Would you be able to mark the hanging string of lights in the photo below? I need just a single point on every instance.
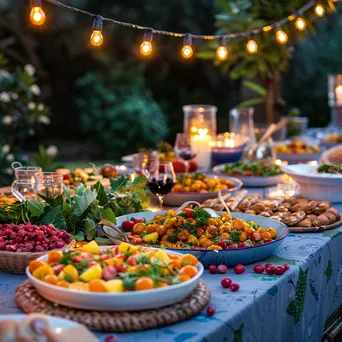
(38, 17)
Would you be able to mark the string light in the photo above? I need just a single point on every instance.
(281, 36)
(96, 38)
(146, 45)
(319, 10)
(37, 15)
(222, 52)
(300, 24)
(187, 51)
(252, 46)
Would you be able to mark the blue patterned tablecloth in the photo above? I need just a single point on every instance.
(291, 307)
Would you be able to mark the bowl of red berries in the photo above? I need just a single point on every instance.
(21, 243)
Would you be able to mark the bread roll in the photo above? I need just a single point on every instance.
(323, 220)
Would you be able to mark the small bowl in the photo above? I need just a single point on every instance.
(177, 198)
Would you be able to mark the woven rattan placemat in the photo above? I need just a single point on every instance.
(29, 300)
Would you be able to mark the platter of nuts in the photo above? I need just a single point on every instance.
(299, 214)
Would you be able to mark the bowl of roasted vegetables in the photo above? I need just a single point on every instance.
(221, 239)
(251, 174)
(115, 278)
(199, 187)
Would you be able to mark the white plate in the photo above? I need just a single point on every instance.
(314, 185)
(58, 325)
(252, 181)
(177, 198)
(123, 301)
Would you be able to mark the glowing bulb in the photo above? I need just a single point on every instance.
(281, 37)
(145, 48)
(187, 51)
(222, 53)
(96, 38)
(300, 24)
(37, 16)
(319, 10)
(252, 46)
(339, 89)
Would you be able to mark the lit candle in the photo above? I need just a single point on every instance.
(230, 143)
(338, 93)
(201, 144)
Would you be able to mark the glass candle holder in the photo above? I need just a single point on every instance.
(227, 148)
(241, 121)
(200, 120)
(335, 99)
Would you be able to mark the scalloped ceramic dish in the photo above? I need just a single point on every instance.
(229, 257)
(252, 181)
(123, 301)
(314, 185)
(176, 198)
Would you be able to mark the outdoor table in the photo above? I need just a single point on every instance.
(290, 307)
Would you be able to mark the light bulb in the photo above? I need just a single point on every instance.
(187, 51)
(222, 53)
(319, 10)
(37, 16)
(300, 24)
(252, 46)
(281, 37)
(145, 48)
(96, 38)
(146, 45)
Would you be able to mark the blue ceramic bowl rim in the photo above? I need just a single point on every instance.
(222, 250)
(233, 179)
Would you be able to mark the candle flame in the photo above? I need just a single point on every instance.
(278, 162)
(202, 131)
(193, 129)
(339, 89)
(230, 143)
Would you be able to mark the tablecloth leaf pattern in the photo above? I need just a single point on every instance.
(296, 306)
(328, 272)
(291, 307)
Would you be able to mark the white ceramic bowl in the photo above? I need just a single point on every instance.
(252, 181)
(228, 257)
(314, 185)
(123, 301)
(177, 198)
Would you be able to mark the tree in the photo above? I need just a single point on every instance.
(272, 58)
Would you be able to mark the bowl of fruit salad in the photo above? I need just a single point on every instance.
(115, 278)
(253, 173)
(297, 151)
(199, 187)
(20, 243)
(213, 239)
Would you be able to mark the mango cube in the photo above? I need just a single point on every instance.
(126, 247)
(115, 285)
(91, 273)
(91, 247)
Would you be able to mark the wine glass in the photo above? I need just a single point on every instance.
(161, 180)
(183, 149)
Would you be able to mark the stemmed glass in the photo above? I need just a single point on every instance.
(161, 180)
(183, 149)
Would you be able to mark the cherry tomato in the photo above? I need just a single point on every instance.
(267, 240)
(248, 173)
(131, 261)
(120, 256)
(121, 268)
(104, 257)
(222, 244)
(256, 236)
(57, 268)
(67, 176)
(76, 258)
(128, 225)
(144, 283)
(188, 212)
(137, 220)
(242, 245)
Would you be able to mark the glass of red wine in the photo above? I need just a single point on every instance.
(183, 149)
(161, 180)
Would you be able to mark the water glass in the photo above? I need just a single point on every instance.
(142, 162)
(49, 184)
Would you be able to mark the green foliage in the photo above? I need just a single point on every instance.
(118, 112)
(79, 214)
(45, 158)
(246, 15)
